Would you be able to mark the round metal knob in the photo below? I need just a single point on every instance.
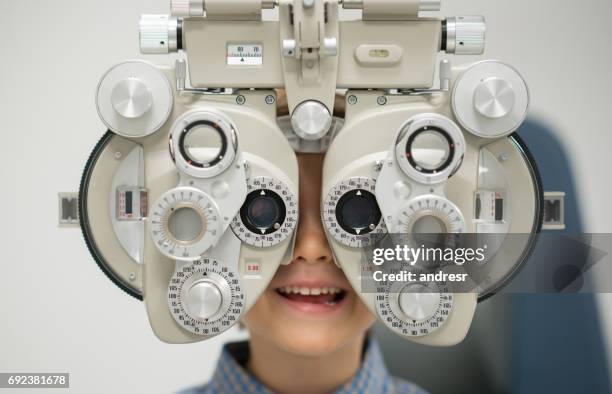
(187, 8)
(203, 300)
(159, 34)
(311, 120)
(465, 35)
(490, 99)
(131, 98)
(494, 98)
(430, 5)
(418, 302)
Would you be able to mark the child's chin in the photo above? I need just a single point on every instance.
(312, 339)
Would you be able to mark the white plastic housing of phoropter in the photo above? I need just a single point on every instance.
(167, 195)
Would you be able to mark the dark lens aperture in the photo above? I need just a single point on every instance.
(263, 212)
(357, 212)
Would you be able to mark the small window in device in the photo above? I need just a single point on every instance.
(499, 207)
(128, 203)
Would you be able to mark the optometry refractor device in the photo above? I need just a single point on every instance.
(190, 200)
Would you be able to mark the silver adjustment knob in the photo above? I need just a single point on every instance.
(134, 99)
(131, 98)
(430, 5)
(446, 75)
(289, 48)
(311, 120)
(159, 34)
(331, 46)
(203, 300)
(465, 35)
(180, 70)
(490, 99)
(418, 302)
(187, 8)
(424, 5)
(494, 98)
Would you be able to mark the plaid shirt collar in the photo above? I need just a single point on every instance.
(231, 377)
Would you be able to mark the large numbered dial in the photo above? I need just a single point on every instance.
(351, 213)
(429, 214)
(185, 223)
(269, 214)
(414, 309)
(205, 297)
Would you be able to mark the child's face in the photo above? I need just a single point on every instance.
(309, 307)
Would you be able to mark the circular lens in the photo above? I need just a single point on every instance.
(357, 212)
(429, 225)
(263, 212)
(430, 150)
(429, 231)
(203, 144)
(185, 224)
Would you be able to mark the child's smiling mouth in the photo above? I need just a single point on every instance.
(314, 295)
(313, 299)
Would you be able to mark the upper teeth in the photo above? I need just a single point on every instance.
(309, 290)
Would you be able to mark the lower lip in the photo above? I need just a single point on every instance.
(313, 309)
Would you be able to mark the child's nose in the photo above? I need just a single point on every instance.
(311, 243)
(312, 247)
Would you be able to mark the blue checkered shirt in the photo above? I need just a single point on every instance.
(232, 378)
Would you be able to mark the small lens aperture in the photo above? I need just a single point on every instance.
(263, 212)
(357, 212)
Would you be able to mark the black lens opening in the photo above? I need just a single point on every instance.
(357, 212)
(263, 212)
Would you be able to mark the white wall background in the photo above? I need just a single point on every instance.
(60, 314)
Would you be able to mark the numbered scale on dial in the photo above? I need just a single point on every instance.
(205, 297)
(269, 214)
(244, 54)
(351, 213)
(185, 223)
(414, 309)
(430, 214)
